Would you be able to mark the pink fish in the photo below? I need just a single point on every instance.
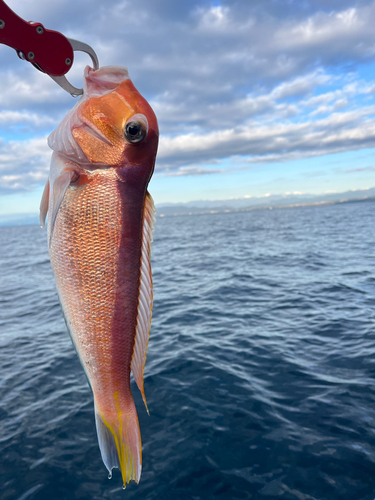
(100, 225)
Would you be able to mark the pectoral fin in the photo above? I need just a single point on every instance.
(43, 209)
(61, 184)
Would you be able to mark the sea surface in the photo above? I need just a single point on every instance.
(260, 377)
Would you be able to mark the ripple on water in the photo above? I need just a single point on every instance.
(260, 372)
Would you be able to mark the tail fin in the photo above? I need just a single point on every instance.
(120, 443)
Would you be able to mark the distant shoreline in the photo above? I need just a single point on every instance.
(199, 211)
(18, 220)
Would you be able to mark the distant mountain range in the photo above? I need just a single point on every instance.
(231, 205)
(19, 220)
(271, 201)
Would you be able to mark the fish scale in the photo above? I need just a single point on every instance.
(100, 227)
(89, 282)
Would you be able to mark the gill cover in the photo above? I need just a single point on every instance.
(96, 84)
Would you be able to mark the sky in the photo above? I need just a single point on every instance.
(253, 97)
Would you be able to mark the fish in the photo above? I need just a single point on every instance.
(100, 223)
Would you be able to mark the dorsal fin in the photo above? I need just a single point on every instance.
(145, 297)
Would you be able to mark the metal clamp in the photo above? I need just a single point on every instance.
(62, 80)
(47, 50)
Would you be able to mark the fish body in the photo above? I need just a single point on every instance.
(100, 223)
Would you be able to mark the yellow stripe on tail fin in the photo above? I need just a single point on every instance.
(120, 443)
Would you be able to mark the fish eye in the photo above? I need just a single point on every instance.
(136, 128)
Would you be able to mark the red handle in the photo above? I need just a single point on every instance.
(48, 50)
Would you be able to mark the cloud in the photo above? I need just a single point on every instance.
(251, 82)
(192, 171)
(23, 164)
(360, 169)
(278, 139)
(301, 85)
(23, 117)
(268, 143)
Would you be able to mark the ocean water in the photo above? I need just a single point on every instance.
(260, 376)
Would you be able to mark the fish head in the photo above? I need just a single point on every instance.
(112, 126)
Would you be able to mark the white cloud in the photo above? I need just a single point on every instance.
(360, 169)
(23, 164)
(26, 87)
(257, 81)
(8, 117)
(213, 19)
(301, 85)
(323, 27)
(192, 171)
(270, 140)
